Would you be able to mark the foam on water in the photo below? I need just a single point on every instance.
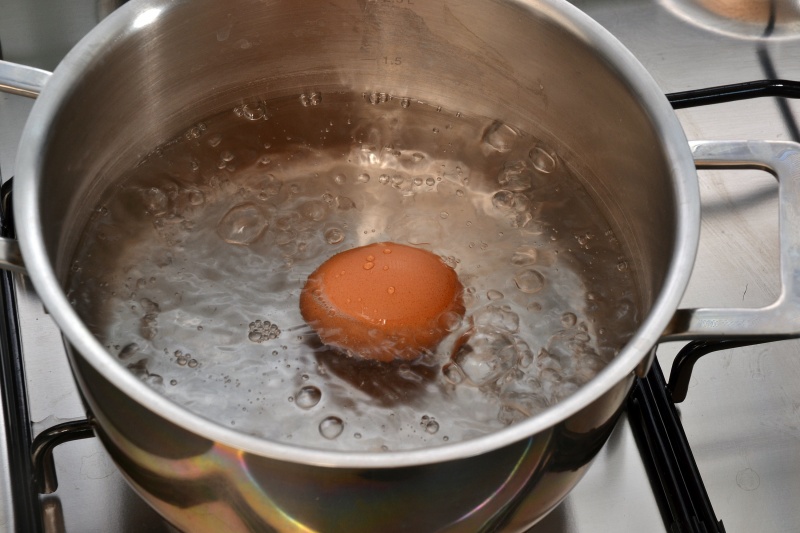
(191, 270)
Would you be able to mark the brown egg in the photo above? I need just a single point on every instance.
(383, 301)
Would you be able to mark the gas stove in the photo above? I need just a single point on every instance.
(741, 414)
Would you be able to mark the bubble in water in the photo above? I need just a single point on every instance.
(568, 320)
(307, 397)
(148, 326)
(260, 331)
(496, 317)
(149, 306)
(195, 131)
(310, 99)
(529, 281)
(331, 427)
(452, 373)
(334, 236)
(154, 380)
(524, 354)
(255, 111)
(377, 98)
(384, 179)
(344, 203)
(494, 295)
(270, 186)
(196, 197)
(525, 255)
(543, 158)
(430, 424)
(487, 355)
(430, 182)
(214, 140)
(128, 351)
(340, 179)
(500, 137)
(155, 201)
(450, 321)
(405, 103)
(503, 200)
(314, 210)
(515, 176)
(140, 370)
(363, 178)
(243, 224)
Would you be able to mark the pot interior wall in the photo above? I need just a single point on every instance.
(170, 64)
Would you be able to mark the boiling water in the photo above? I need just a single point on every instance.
(192, 266)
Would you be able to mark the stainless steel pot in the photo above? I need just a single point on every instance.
(155, 66)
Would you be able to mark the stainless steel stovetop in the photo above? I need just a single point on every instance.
(742, 414)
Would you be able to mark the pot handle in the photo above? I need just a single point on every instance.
(10, 256)
(780, 320)
(23, 81)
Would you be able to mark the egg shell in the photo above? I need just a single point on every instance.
(383, 301)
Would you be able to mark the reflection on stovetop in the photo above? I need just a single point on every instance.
(741, 412)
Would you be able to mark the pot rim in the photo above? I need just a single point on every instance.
(29, 168)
